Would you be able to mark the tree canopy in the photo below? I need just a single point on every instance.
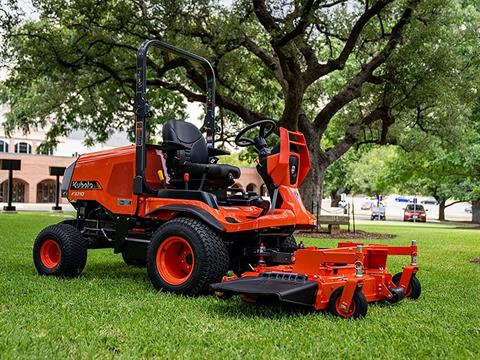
(344, 72)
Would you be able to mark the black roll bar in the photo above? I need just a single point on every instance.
(142, 108)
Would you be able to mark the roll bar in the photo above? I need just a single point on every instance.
(143, 111)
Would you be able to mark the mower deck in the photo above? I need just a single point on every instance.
(343, 280)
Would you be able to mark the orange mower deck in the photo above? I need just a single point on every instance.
(342, 280)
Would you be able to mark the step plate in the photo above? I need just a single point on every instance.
(296, 291)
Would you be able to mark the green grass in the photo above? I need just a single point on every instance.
(112, 310)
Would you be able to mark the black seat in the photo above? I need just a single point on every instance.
(187, 152)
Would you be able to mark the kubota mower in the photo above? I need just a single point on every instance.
(172, 208)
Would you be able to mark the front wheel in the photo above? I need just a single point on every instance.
(413, 290)
(185, 256)
(358, 307)
(60, 250)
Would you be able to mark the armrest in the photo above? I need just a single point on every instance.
(172, 146)
(217, 152)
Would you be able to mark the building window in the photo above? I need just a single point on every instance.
(23, 148)
(19, 189)
(46, 191)
(3, 146)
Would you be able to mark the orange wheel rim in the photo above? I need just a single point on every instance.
(175, 260)
(343, 313)
(50, 254)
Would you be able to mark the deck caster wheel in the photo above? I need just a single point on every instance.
(413, 290)
(185, 256)
(358, 308)
(60, 250)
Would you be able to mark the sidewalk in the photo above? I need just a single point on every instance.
(38, 207)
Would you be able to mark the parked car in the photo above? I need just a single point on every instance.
(468, 209)
(429, 202)
(415, 212)
(378, 213)
(403, 199)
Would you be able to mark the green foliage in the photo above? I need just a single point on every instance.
(371, 174)
(236, 159)
(408, 74)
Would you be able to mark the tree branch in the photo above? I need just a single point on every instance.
(352, 132)
(353, 89)
(315, 72)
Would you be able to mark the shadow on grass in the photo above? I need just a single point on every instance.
(236, 308)
(271, 309)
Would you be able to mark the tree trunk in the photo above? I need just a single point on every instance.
(335, 197)
(476, 211)
(441, 210)
(312, 187)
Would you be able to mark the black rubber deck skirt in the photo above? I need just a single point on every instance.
(290, 288)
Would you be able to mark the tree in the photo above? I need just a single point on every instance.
(431, 170)
(343, 72)
(371, 174)
(338, 177)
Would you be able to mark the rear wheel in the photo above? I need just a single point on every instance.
(60, 250)
(358, 307)
(185, 256)
(413, 290)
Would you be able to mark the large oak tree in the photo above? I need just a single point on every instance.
(345, 73)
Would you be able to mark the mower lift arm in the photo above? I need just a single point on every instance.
(142, 107)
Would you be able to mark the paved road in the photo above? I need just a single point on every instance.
(394, 210)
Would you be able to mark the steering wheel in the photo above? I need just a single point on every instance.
(267, 127)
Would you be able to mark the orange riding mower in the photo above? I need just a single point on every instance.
(172, 208)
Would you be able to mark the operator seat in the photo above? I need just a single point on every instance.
(187, 152)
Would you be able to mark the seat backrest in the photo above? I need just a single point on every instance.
(186, 134)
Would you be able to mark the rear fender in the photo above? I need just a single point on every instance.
(197, 212)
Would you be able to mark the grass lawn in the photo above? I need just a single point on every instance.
(113, 311)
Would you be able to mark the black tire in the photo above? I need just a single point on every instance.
(289, 244)
(140, 263)
(209, 253)
(73, 251)
(414, 288)
(359, 304)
